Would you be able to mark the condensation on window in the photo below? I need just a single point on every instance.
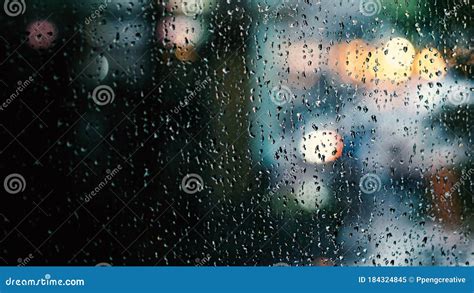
(251, 132)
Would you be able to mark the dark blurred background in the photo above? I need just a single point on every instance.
(186, 97)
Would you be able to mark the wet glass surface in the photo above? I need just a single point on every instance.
(207, 132)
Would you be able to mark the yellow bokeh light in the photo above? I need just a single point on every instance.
(393, 62)
(429, 64)
(355, 59)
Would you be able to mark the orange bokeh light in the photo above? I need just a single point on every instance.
(429, 64)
